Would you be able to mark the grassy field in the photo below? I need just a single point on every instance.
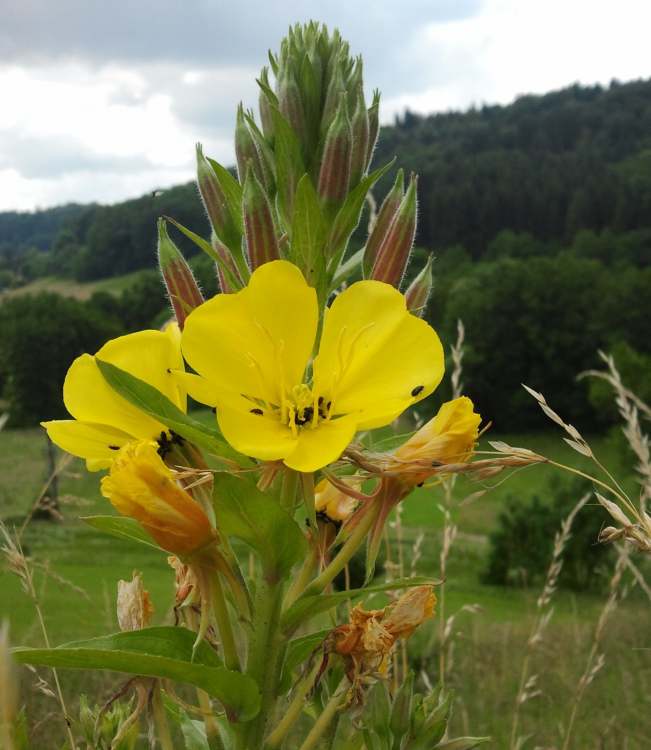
(77, 570)
(81, 290)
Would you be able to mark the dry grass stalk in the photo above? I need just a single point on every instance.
(596, 658)
(634, 523)
(20, 566)
(8, 691)
(528, 685)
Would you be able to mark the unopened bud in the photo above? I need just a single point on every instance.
(401, 712)
(265, 105)
(373, 126)
(291, 105)
(212, 195)
(246, 152)
(134, 605)
(333, 95)
(182, 287)
(334, 176)
(419, 290)
(383, 221)
(259, 228)
(229, 278)
(393, 254)
(360, 128)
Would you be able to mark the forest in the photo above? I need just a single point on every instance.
(538, 215)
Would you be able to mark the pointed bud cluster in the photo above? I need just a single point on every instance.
(393, 253)
(182, 288)
(420, 289)
(334, 175)
(259, 227)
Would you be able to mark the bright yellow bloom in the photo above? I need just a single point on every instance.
(334, 503)
(142, 486)
(104, 421)
(448, 438)
(252, 351)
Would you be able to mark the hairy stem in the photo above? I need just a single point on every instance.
(293, 711)
(325, 717)
(220, 608)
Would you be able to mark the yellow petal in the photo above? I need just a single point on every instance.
(256, 435)
(97, 443)
(375, 358)
(198, 388)
(258, 339)
(150, 356)
(322, 445)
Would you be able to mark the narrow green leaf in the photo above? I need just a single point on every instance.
(298, 650)
(153, 402)
(312, 604)
(259, 521)
(121, 527)
(348, 216)
(308, 232)
(233, 194)
(289, 165)
(347, 268)
(165, 652)
(462, 743)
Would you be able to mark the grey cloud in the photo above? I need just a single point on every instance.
(55, 156)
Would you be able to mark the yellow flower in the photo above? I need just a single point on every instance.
(141, 486)
(448, 438)
(104, 421)
(334, 503)
(252, 351)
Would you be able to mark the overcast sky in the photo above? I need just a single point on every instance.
(104, 99)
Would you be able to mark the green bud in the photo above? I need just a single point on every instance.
(259, 228)
(400, 721)
(383, 221)
(419, 290)
(265, 104)
(360, 128)
(393, 254)
(291, 105)
(436, 720)
(334, 175)
(182, 287)
(212, 195)
(246, 151)
(334, 91)
(373, 126)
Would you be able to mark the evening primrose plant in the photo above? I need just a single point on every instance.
(309, 345)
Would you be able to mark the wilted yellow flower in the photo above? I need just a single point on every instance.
(134, 605)
(103, 420)
(186, 583)
(141, 486)
(252, 351)
(448, 438)
(333, 502)
(366, 642)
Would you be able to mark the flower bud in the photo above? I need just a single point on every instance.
(419, 290)
(291, 105)
(383, 221)
(247, 153)
(134, 605)
(212, 195)
(259, 228)
(393, 254)
(334, 176)
(141, 486)
(360, 128)
(264, 105)
(226, 280)
(400, 721)
(182, 288)
(373, 126)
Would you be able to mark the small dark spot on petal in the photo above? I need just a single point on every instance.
(257, 411)
(169, 371)
(320, 400)
(418, 389)
(114, 447)
(420, 484)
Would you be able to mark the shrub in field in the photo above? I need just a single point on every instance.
(521, 546)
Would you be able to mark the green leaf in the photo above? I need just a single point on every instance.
(233, 194)
(164, 652)
(121, 527)
(298, 650)
(308, 232)
(150, 400)
(209, 250)
(462, 743)
(289, 164)
(348, 216)
(258, 520)
(347, 268)
(311, 604)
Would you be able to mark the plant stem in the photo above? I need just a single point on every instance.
(229, 647)
(351, 545)
(209, 722)
(160, 721)
(301, 580)
(326, 716)
(293, 711)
